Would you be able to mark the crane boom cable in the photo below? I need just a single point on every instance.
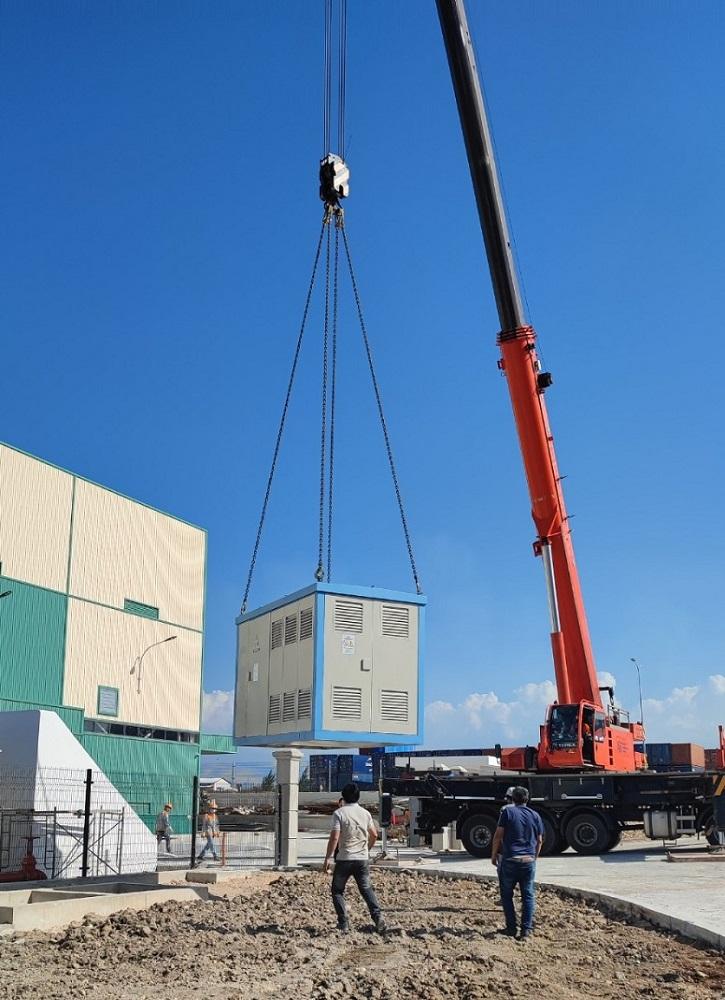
(283, 420)
(327, 78)
(381, 414)
(333, 387)
(320, 571)
(342, 79)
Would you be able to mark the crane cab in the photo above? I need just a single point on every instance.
(585, 735)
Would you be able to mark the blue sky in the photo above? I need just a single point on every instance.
(160, 211)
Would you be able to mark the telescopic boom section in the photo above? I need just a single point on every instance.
(576, 676)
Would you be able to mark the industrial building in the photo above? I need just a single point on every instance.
(104, 624)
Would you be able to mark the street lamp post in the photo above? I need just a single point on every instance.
(641, 709)
(138, 664)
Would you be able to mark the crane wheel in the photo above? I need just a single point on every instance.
(589, 833)
(554, 842)
(477, 835)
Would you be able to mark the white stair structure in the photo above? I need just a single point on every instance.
(43, 774)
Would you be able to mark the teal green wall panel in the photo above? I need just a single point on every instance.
(214, 743)
(32, 641)
(148, 773)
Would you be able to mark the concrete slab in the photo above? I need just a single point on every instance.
(50, 909)
(212, 876)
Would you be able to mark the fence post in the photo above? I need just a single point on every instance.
(194, 819)
(86, 824)
(278, 831)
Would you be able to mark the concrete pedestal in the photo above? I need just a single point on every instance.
(288, 777)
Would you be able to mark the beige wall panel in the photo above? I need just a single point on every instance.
(103, 645)
(35, 512)
(100, 556)
(122, 549)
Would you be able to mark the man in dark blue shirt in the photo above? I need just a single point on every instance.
(516, 846)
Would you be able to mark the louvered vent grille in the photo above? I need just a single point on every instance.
(348, 616)
(394, 706)
(305, 623)
(396, 621)
(274, 712)
(288, 706)
(347, 703)
(290, 629)
(304, 704)
(276, 641)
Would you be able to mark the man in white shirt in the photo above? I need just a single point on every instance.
(353, 834)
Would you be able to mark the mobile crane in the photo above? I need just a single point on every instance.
(588, 776)
(579, 731)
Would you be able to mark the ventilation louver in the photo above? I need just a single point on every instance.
(348, 616)
(276, 641)
(288, 706)
(347, 703)
(290, 629)
(305, 623)
(396, 621)
(274, 712)
(304, 704)
(394, 706)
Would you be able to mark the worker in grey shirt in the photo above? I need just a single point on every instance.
(163, 827)
(353, 834)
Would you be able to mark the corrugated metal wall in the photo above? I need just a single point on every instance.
(32, 636)
(102, 648)
(35, 506)
(148, 774)
(124, 550)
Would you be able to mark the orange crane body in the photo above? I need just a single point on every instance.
(579, 732)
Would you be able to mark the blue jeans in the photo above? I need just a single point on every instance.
(359, 870)
(209, 846)
(510, 874)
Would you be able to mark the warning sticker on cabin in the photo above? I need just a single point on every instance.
(348, 645)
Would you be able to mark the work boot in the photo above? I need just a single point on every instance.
(507, 931)
(344, 928)
(525, 935)
(380, 926)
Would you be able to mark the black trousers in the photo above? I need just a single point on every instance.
(360, 871)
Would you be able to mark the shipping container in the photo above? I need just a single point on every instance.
(712, 759)
(659, 753)
(688, 753)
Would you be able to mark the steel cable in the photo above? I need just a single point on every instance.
(283, 420)
(381, 413)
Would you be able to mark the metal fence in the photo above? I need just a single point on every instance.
(62, 823)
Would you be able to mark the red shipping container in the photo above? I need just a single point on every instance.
(712, 758)
(688, 753)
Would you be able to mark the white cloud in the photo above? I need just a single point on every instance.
(543, 693)
(679, 698)
(606, 679)
(485, 718)
(717, 683)
(438, 710)
(217, 710)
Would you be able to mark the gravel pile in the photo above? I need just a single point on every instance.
(274, 937)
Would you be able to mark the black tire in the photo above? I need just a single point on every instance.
(708, 828)
(588, 833)
(477, 835)
(614, 839)
(554, 842)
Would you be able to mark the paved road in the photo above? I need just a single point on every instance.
(636, 872)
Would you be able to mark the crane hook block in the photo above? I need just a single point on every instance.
(334, 179)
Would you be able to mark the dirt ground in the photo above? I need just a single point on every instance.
(274, 937)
